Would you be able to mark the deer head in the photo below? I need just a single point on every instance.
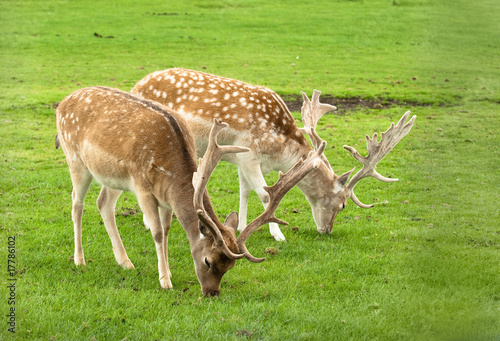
(338, 189)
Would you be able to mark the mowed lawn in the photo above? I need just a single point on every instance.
(423, 264)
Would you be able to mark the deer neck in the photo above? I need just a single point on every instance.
(318, 183)
(181, 199)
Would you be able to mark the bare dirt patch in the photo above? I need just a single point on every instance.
(294, 103)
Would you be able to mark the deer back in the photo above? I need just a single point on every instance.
(124, 141)
(258, 118)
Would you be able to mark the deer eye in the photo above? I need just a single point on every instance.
(207, 262)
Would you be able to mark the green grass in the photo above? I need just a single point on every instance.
(423, 264)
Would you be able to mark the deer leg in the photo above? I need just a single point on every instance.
(149, 207)
(81, 180)
(106, 204)
(244, 194)
(166, 220)
(255, 179)
(145, 221)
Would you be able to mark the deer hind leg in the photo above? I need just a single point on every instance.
(149, 207)
(166, 221)
(251, 176)
(81, 179)
(106, 204)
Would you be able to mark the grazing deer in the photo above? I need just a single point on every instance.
(131, 144)
(260, 120)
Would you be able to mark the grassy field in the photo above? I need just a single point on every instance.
(423, 264)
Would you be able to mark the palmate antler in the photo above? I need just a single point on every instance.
(311, 112)
(376, 152)
(276, 193)
(207, 164)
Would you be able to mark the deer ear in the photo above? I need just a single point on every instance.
(342, 180)
(203, 230)
(232, 220)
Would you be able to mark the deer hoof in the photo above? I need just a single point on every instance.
(279, 237)
(79, 261)
(166, 284)
(127, 265)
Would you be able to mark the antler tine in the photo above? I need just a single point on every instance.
(207, 164)
(376, 152)
(311, 112)
(276, 193)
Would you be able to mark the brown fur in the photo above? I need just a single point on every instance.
(209, 96)
(128, 143)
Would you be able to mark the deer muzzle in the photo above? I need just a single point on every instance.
(327, 229)
(211, 292)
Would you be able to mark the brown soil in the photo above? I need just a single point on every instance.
(345, 104)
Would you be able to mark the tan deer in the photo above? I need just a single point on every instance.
(131, 144)
(260, 120)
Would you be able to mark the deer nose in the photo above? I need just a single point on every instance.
(211, 293)
(325, 229)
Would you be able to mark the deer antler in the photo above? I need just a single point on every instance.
(376, 152)
(276, 193)
(311, 113)
(207, 164)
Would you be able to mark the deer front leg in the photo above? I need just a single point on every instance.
(149, 207)
(81, 180)
(106, 204)
(145, 221)
(244, 194)
(166, 220)
(252, 175)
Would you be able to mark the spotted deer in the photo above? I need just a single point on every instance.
(260, 121)
(131, 144)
